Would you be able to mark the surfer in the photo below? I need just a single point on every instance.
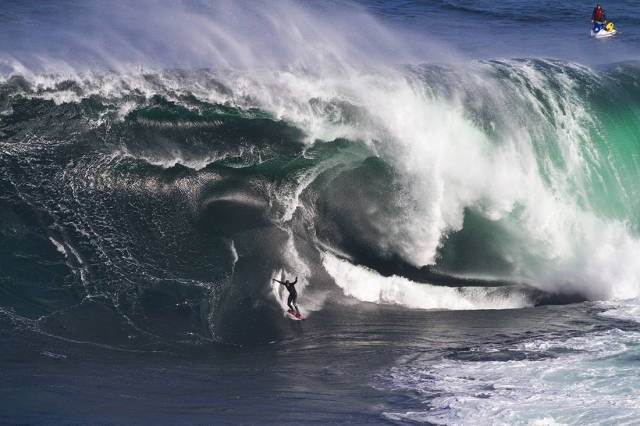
(293, 295)
(598, 17)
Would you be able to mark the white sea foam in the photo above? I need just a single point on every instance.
(168, 161)
(76, 255)
(367, 285)
(234, 254)
(58, 246)
(591, 379)
(627, 310)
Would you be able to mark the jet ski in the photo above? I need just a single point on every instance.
(601, 31)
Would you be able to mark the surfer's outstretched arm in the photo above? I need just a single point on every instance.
(278, 281)
(295, 281)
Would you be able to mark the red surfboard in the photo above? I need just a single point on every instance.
(294, 316)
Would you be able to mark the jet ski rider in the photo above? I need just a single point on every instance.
(597, 17)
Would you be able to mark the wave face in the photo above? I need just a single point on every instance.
(166, 202)
(145, 206)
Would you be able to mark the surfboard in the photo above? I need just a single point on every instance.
(293, 316)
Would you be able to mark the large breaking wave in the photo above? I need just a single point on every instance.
(156, 205)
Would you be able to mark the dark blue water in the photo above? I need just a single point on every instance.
(453, 183)
(339, 366)
(486, 29)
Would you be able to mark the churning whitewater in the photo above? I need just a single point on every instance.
(156, 177)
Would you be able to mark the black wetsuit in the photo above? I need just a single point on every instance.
(293, 294)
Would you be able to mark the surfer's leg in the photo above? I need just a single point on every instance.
(289, 300)
(293, 302)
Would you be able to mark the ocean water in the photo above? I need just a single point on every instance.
(454, 183)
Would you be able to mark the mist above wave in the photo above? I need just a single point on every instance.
(190, 35)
